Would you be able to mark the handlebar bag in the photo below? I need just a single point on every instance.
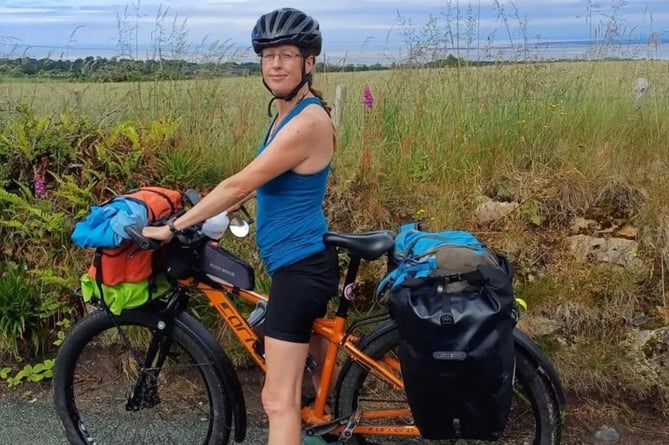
(121, 274)
(127, 263)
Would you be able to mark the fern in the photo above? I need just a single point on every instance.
(77, 199)
(161, 130)
(31, 218)
(49, 277)
(127, 130)
(13, 199)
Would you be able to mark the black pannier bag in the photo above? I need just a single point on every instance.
(456, 350)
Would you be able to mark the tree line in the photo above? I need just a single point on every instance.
(114, 69)
(101, 69)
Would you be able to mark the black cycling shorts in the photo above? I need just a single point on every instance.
(299, 295)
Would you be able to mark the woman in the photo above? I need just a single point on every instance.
(289, 177)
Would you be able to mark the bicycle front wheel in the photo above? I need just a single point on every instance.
(534, 417)
(106, 393)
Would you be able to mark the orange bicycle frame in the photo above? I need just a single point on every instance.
(331, 329)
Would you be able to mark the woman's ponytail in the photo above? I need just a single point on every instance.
(319, 95)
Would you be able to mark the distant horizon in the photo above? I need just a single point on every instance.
(532, 50)
(359, 31)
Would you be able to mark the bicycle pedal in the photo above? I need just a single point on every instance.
(321, 429)
(352, 422)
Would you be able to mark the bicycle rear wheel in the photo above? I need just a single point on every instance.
(97, 372)
(534, 419)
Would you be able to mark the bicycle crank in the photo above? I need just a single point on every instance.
(348, 422)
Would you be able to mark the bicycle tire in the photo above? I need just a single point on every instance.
(80, 412)
(532, 383)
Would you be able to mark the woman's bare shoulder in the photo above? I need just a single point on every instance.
(315, 118)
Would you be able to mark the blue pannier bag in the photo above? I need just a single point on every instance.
(452, 299)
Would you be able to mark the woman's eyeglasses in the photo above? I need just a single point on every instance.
(283, 57)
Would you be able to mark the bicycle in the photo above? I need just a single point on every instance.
(128, 378)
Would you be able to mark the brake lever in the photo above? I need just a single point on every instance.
(247, 214)
(192, 196)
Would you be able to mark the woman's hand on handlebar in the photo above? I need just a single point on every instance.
(159, 233)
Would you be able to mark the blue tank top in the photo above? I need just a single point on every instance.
(290, 219)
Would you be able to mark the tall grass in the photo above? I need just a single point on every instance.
(434, 137)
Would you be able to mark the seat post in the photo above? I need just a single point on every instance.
(351, 274)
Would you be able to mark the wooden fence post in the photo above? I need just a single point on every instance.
(338, 109)
(75, 101)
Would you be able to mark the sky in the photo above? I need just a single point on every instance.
(354, 31)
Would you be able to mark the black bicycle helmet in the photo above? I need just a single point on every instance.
(287, 26)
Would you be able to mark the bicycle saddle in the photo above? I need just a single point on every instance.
(368, 246)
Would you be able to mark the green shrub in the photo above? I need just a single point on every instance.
(25, 311)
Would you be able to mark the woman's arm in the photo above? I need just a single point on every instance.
(291, 146)
(237, 206)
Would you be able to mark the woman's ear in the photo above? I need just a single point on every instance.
(309, 64)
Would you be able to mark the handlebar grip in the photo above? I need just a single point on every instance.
(135, 233)
(192, 196)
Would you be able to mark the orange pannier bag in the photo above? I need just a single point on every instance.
(127, 263)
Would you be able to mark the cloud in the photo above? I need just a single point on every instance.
(5, 10)
(39, 20)
(367, 25)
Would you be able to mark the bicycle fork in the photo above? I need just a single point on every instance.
(145, 392)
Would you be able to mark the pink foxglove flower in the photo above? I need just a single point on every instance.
(40, 185)
(39, 177)
(368, 98)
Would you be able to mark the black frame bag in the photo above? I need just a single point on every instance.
(221, 265)
(457, 351)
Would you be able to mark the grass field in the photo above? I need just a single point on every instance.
(455, 131)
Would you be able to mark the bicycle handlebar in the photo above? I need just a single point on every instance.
(187, 237)
(144, 243)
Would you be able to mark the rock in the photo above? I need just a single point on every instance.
(639, 319)
(608, 250)
(538, 326)
(607, 230)
(491, 211)
(581, 225)
(607, 434)
(628, 232)
(656, 351)
(651, 348)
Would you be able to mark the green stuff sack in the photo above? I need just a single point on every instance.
(124, 296)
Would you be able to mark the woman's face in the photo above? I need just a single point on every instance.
(282, 68)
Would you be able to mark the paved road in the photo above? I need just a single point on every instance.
(29, 419)
(35, 423)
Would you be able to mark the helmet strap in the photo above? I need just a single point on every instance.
(306, 78)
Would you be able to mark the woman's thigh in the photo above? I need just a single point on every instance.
(299, 294)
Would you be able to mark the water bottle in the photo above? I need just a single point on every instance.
(216, 226)
(257, 318)
(257, 322)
